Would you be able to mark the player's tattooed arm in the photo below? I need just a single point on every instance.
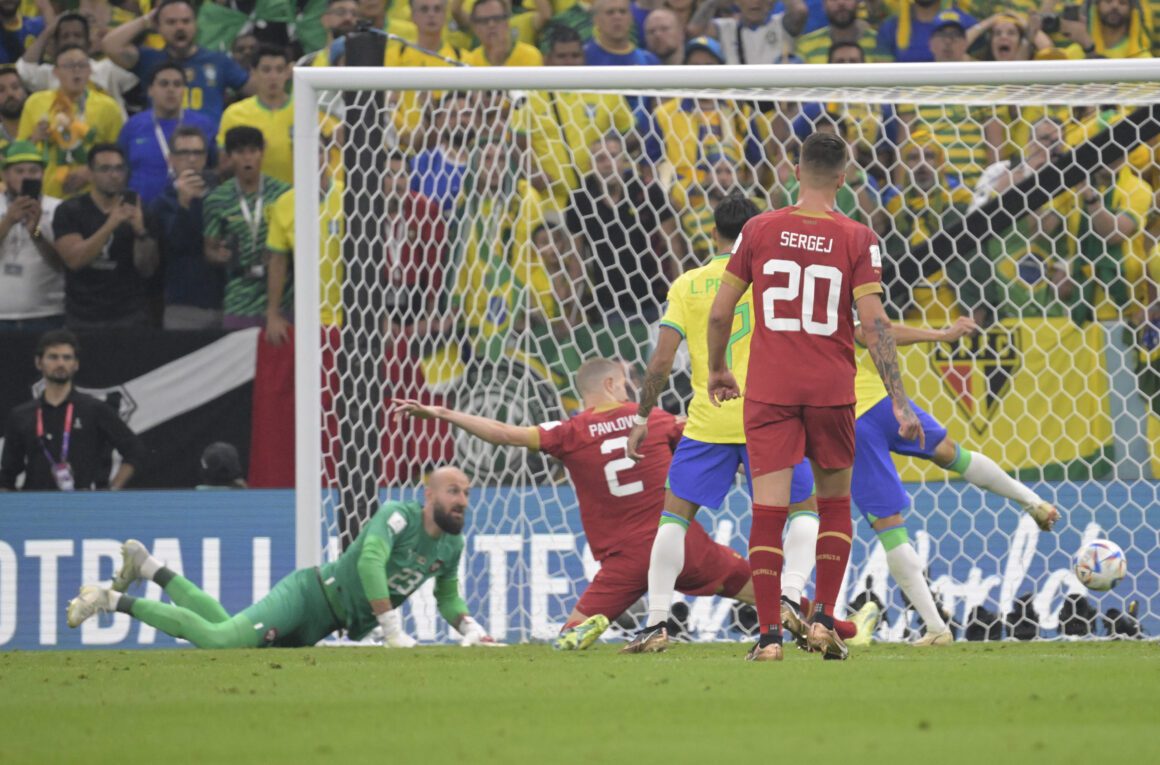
(656, 379)
(884, 352)
(660, 366)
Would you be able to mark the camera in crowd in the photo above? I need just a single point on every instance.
(1051, 21)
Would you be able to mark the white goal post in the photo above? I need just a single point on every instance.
(527, 518)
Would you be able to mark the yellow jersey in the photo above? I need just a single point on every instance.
(280, 239)
(561, 126)
(497, 269)
(690, 299)
(521, 54)
(73, 129)
(523, 24)
(868, 386)
(413, 104)
(686, 128)
(277, 126)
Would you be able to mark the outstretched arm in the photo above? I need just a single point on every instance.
(880, 341)
(904, 335)
(656, 379)
(492, 431)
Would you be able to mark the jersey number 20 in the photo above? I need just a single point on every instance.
(806, 284)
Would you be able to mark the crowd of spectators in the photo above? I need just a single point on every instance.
(146, 149)
(146, 158)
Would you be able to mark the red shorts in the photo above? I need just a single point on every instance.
(778, 437)
(710, 569)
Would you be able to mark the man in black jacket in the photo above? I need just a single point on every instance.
(63, 440)
(193, 286)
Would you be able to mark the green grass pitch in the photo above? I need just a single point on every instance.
(983, 704)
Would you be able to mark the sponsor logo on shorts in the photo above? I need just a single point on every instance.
(978, 372)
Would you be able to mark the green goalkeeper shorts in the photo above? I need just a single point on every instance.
(295, 613)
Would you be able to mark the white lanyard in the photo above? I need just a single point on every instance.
(253, 220)
(162, 141)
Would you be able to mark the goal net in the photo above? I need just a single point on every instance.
(468, 237)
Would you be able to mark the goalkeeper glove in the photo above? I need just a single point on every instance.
(473, 634)
(393, 635)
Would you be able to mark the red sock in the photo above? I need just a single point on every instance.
(765, 563)
(833, 550)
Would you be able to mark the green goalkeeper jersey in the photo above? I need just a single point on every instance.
(392, 556)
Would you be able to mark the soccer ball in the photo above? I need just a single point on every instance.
(1100, 565)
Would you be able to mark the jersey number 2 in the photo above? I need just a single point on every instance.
(806, 287)
(615, 487)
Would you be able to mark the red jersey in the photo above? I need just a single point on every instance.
(620, 500)
(807, 269)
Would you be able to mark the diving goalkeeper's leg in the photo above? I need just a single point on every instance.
(296, 612)
(138, 564)
(236, 632)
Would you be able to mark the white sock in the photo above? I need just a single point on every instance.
(149, 568)
(112, 598)
(800, 545)
(664, 566)
(907, 571)
(984, 473)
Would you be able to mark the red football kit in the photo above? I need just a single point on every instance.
(807, 269)
(620, 504)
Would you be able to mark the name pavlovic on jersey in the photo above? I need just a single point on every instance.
(620, 500)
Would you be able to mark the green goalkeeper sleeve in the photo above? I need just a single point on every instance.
(450, 602)
(372, 567)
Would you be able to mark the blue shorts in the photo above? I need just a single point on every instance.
(703, 473)
(876, 487)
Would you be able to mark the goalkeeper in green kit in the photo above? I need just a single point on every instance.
(403, 545)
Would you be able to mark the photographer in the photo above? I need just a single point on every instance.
(237, 217)
(1101, 28)
(101, 238)
(193, 287)
(31, 278)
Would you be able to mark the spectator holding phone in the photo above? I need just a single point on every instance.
(31, 274)
(193, 286)
(102, 239)
(1108, 29)
(146, 136)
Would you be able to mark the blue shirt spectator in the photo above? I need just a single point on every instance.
(146, 137)
(436, 175)
(209, 74)
(817, 18)
(595, 55)
(906, 37)
(17, 31)
(212, 74)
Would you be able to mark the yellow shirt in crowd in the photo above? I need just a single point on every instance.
(280, 239)
(560, 127)
(73, 129)
(277, 126)
(522, 55)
